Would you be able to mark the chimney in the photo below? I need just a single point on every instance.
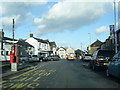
(1, 38)
(1, 33)
(31, 35)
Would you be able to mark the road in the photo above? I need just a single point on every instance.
(60, 74)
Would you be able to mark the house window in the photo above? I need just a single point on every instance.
(2, 53)
(30, 52)
(7, 52)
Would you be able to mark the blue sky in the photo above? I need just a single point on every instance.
(66, 23)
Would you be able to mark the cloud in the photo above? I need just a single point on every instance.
(19, 20)
(101, 30)
(70, 16)
(15, 8)
(20, 11)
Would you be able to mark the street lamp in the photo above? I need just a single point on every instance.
(90, 37)
(115, 36)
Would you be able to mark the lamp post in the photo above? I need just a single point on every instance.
(115, 36)
(90, 42)
(90, 37)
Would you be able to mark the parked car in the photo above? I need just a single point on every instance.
(87, 57)
(49, 58)
(53, 58)
(24, 59)
(43, 58)
(100, 58)
(114, 66)
(30, 58)
(35, 58)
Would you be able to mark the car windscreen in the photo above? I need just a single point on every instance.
(87, 55)
(106, 53)
(34, 55)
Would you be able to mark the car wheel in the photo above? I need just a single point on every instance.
(89, 65)
(107, 73)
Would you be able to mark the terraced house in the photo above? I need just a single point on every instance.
(42, 47)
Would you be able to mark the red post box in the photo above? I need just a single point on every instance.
(12, 57)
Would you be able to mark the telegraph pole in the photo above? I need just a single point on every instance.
(13, 29)
(13, 34)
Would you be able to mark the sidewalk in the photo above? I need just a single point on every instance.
(6, 71)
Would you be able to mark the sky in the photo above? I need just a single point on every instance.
(70, 23)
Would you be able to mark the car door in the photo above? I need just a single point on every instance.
(111, 67)
(117, 66)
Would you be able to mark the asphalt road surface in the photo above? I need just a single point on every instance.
(60, 74)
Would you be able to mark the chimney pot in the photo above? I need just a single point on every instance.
(31, 35)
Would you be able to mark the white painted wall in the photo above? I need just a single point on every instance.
(70, 52)
(62, 53)
(39, 46)
(34, 43)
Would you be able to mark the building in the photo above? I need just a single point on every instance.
(70, 52)
(94, 46)
(78, 53)
(107, 45)
(7, 43)
(61, 52)
(5, 46)
(53, 47)
(25, 48)
(41, 46)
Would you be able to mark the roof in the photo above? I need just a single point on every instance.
(60, 47)
(41, 40)
(22, 42)
(97, 43)
(6, 38)
(52, 43)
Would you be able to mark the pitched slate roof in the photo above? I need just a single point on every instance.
(6, 38)
(52, 44)
(97, 43)
(61, 47)
(41, 40)
(22, 42)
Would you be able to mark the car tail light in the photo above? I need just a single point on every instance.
(97, 58)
